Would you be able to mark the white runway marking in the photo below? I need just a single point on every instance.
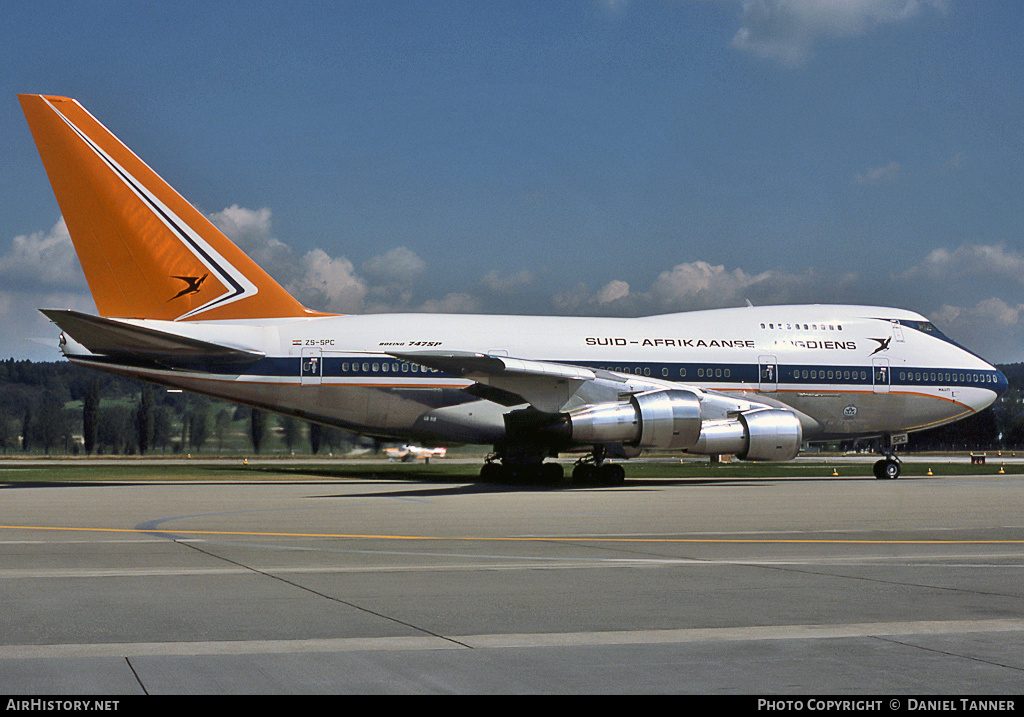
(570, 639)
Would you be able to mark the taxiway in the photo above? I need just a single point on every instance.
(736, 586)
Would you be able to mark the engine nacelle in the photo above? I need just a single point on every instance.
(671, 420)
(768, 434)
(656, 419)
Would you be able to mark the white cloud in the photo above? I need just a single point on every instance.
(973, 292)
(969, 262)
(992, 327)
(328, 284)
(697, 285)
(701, 283)
(252, 231)
(453, 303)
(39, 270)
(42, 258)
(396, 266)
(879, 175)
(613, 291)
(786, 31)
(503, 284)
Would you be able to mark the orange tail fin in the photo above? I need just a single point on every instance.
(146, 252)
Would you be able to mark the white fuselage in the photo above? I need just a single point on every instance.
(845, 371)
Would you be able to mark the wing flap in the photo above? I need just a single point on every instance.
(545, 385)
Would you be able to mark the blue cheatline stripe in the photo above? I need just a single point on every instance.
(720, 375)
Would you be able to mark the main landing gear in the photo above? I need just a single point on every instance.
(590, 470)
(594, 469)
(527, 473)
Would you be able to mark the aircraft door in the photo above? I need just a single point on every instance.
(311, 367)
(768, 374)
(897, 331)
(880, 372)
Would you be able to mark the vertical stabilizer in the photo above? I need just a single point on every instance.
(146, 252)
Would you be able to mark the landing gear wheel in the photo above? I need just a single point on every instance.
(611, 474)
(492, 472)
(584, 473)
(603, 474)
(887, 469)
(552, 473)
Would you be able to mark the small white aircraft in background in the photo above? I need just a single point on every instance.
(409, 452)
(182, 306)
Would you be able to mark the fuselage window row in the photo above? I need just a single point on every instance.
(806, 327)
(797, 375)
(376, 367)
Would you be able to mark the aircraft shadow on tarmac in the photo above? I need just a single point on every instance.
(471, 482)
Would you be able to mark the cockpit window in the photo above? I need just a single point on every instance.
(926, 327)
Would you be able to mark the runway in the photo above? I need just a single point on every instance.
(735, 586)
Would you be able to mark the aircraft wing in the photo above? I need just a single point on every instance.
(545, 385)
(108, 337)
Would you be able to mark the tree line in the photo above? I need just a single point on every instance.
(60, 408)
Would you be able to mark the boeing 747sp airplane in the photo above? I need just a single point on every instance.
(180, 305)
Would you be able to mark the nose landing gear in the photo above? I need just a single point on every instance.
(887, 468)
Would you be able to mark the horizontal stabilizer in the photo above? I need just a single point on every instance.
(109, 337)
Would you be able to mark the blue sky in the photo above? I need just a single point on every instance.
(609, 157)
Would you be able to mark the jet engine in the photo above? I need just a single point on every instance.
(672, 420)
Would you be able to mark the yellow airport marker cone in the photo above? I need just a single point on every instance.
(1001, 469)
(835, 472)
(929, 471)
